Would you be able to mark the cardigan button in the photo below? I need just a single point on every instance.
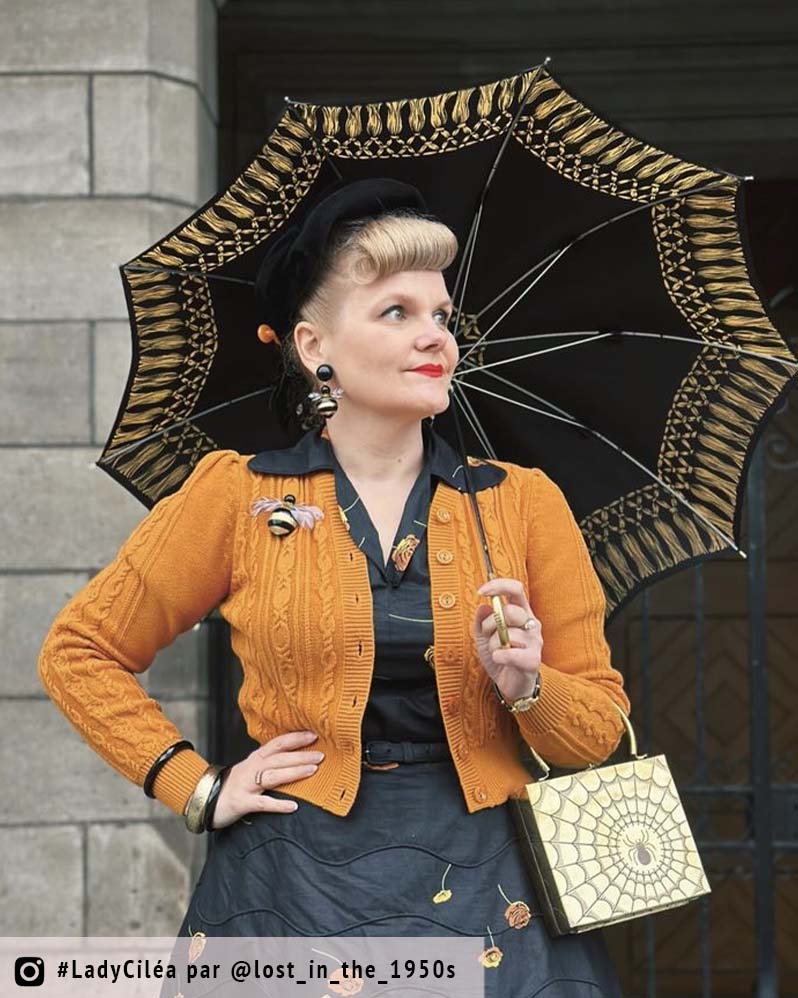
(479, 793)
(443, 516)
(444, 556)
(447, 599)
(461, 752)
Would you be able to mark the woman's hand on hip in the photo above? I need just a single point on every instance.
(514, 669)
(280, 760)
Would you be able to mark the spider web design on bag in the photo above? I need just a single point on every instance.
(610, 844)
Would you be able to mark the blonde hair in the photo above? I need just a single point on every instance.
(360, 252)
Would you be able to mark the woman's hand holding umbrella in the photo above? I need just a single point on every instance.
(514, 669)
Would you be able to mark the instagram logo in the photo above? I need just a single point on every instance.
(29, 971)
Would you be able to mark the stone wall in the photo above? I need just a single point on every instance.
(108, 118)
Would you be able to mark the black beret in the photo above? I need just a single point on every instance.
(292, 262)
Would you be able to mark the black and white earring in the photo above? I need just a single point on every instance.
(324, 401)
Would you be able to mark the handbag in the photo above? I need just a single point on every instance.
(607, 844)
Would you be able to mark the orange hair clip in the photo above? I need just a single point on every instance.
(267, 335)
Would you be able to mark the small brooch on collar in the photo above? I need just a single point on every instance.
(403, 551)
(286, 514)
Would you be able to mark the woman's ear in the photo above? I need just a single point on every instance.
(308, 345)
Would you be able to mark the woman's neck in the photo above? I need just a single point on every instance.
(376, 451)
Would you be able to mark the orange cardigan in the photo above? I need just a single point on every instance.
(300, 613)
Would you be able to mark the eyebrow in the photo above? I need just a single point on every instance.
(400, 296)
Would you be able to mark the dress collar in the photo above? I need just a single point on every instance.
(313, 452)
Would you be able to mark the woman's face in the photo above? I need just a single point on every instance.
(381, 332)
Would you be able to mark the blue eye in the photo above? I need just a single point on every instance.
(441, 311)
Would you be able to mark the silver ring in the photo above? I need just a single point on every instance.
(258, 776)
(529, 623)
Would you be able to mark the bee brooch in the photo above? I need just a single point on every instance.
(286, 514)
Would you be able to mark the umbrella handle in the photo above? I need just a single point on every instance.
(501, 623)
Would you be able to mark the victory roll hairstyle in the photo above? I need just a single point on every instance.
(363, 251)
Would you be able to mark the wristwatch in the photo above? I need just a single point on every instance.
(520, 703)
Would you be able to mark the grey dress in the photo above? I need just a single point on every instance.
(408, 859)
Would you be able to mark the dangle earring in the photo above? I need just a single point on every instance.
(323, 402)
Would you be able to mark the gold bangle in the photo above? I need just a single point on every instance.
(195, 808)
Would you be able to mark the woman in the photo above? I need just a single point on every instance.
(374, 682)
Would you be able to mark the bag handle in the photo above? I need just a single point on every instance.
(633, 753)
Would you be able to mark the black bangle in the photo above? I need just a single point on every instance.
(213, 796)
(165, 756)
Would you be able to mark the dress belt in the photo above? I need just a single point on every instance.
(378, 751)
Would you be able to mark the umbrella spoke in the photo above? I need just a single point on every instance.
(555, 255)
(523, 391)
(133, 268)
(534, 353)
(473, 419)
(472, 235)
(119, 451)
(589, 336)
(611, 443)
(312, 131)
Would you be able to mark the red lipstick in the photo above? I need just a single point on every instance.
(432, 370)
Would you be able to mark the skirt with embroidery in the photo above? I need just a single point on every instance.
(408, 860)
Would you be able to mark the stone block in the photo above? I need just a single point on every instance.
(136, 885)
(41, 881)
(73, 250)
(122, 153)
(28, 604)
(44, 383)
(59, 510)
(183, 143)
(63, 778)
(153, 136)
(114, 35)
(44, 135)
(52, 774)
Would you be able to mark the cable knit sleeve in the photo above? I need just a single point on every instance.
(172, 570)
(574, 722)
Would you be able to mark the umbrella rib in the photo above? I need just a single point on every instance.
(119, 451)
(582, 426)
(469, 252)
(525, 391)
(319, 147)
(555, 255)
(533, 353)
(472, 235)
(183, 270)
(473, 419)
(600, 225)
(589, 336)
